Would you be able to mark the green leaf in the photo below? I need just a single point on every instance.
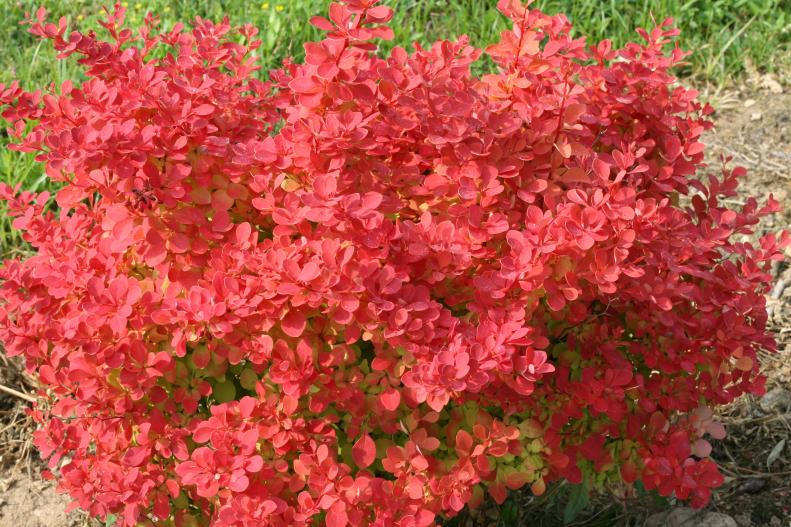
(643, 495)
(109, 521)
(509, 513)
(578, 500)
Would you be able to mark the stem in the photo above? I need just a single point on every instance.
(16, 393)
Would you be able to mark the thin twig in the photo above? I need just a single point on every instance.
(16, 393)
(778, 289)
(750, 420)
(754, 473)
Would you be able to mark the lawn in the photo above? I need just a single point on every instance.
(722, 34)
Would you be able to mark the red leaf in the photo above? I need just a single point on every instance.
(304, 85)
(379, 14)
(325, 186)
(243, 231)
(321, 23)
(601, 168)
(390, 399)
(364, 451)
(136, 456)
(238, 483)
(203, 109)
(463, 443)
(293, 324)
(336, 516)
(69, 196)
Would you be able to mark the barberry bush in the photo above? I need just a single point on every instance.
(373, 288)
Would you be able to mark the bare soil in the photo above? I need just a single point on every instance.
(755, 130)
(27, 501)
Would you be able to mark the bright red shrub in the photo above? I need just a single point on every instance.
(369, 289)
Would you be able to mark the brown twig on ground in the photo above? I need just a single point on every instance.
(778, 289)
(751, 420)
(17, 393)
(750, 473)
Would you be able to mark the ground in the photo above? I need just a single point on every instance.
(26, 501)
(753, 125)
(755, 129)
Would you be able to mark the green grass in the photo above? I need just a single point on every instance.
(721, 33)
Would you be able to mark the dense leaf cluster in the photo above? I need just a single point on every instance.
(374, 287)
